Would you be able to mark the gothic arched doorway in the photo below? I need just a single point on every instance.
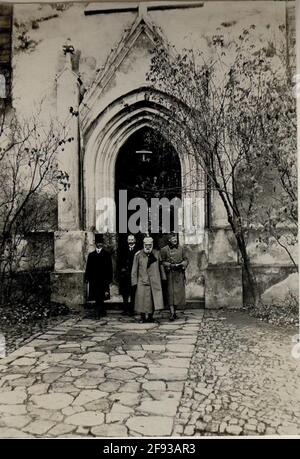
(156, 174)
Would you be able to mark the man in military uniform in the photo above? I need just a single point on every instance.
(175, 262)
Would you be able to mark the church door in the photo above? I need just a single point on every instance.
(148, 167)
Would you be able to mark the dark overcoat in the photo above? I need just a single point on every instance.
(98, 274)
(125, 267)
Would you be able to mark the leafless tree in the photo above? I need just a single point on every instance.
(30, 178)
(236, 109)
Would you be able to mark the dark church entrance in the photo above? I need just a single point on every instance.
(147, 167)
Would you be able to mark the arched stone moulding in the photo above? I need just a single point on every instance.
(104, 136)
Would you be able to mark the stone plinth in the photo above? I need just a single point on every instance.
(68, 288)
(195, 273)
(70, 250)
(223, 286)
(221, 246)
(67, 280)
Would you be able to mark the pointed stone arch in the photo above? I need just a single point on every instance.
(104, 136)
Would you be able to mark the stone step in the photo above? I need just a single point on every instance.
(118, 306)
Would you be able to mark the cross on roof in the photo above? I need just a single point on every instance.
(141, 7)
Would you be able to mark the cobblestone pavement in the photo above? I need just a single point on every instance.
(242, 380)
(205, 374)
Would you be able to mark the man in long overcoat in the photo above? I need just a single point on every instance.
(147, 275)
(175, 262)
(125, 266)
(98, 275)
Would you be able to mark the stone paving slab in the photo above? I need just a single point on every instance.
(207, 373)
(113, 377)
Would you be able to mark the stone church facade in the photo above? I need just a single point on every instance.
(95, 58)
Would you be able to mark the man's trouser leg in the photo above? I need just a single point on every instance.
(131, 301)
(143, 317)
(100, 306)
(98, 309)
(125, 304)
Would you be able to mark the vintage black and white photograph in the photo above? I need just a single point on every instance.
(149, 219)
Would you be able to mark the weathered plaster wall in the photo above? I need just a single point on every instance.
(220, 17)
(95, 36)
(271, 253)
(92, 37)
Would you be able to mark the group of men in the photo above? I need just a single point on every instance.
(149, 278)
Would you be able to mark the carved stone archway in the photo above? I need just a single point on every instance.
(104, 137)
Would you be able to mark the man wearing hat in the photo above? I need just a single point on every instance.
(175, 262)
(147, 275)
(98, 275)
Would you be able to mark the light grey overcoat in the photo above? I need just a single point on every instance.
(147, 277)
